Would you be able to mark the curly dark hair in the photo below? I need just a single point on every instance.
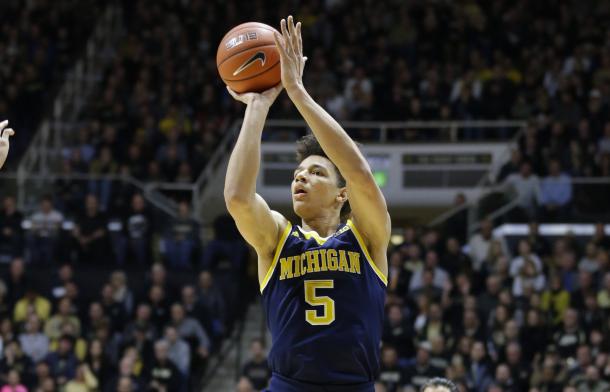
(439, 382)
(308, 145)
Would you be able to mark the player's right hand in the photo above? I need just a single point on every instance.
(265, 98)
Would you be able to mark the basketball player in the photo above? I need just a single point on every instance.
(323, 281)
(438, 384)
(4, 143)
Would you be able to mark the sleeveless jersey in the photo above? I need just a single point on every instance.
(324, 303)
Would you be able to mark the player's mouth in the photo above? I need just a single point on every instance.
(299, 193)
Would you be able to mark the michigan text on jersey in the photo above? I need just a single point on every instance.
(319, 260)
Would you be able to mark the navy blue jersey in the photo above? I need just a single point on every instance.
(324, 301)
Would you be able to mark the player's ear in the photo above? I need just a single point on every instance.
(342, 195)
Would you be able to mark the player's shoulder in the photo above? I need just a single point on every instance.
(283, 225)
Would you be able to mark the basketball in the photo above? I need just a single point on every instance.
(247, 58)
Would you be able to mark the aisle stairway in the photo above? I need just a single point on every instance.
(227, 374)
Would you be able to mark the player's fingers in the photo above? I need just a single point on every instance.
(3, 124)
(299, 38)
(291, 25)
(284, 30)
(279, 43)
(8, 132)
(295, 41)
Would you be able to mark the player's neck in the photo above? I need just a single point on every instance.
(323, 225)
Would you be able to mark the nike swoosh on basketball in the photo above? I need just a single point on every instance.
(257, 56)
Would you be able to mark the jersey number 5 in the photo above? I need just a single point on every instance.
(328, 305)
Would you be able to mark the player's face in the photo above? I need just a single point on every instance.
(315, 188)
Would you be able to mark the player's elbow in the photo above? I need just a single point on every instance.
(235, 201)
(360, 174)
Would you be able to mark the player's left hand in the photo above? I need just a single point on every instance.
(4, 143)
(265, 98)
(290, 46)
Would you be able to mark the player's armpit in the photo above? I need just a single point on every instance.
(369, 211)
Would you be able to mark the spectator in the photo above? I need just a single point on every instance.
(510, 167)
(391, 375)
(555, 193)
(190, 329)
(63, 362)
(588, 262)
(256, 369)
(456, 225)
(525, 256)
(182, 239)
(555, 300)
(11, 233)
(421, 370)
(139, 230)
(15, 359)
(398, 333)
(14, 383)
(16, 282)
(64, 315)
(603, 296)
(35, 344)
(84, 381)
(527, 188)
(90, 233)
(32, 300)
(120, 292)
(213, 303)
(97, 361)
(45, 232)
(177, 350)
(569, 336)
(164, 375)
(159, 306)
(454, 260)
(440, 276)
(479, 373)
(479, 244)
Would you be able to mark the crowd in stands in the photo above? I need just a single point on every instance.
(89, 304)
(161, 108)
(38, 42)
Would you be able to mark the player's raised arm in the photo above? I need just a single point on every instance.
(256, 222)
(4, 143)
(366, 200)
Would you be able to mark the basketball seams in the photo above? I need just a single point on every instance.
(243, 50)
(253, 76)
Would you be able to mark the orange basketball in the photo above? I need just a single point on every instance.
(247, 58)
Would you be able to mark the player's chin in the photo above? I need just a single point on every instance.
(300, 208)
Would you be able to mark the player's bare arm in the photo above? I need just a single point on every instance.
(369, 209)
(4, 142)
(250, 211)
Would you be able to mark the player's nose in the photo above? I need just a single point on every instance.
(300, 177)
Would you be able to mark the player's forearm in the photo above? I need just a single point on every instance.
(244, 163)
(335, 142)
(3, 155)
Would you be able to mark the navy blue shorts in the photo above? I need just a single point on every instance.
(280, 383)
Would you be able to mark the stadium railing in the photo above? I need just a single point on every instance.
(589, 203)
(48, 150)
(79, 83)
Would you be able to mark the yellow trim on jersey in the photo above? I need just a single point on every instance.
(380, 274)
(312, 234)
(276, 256)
